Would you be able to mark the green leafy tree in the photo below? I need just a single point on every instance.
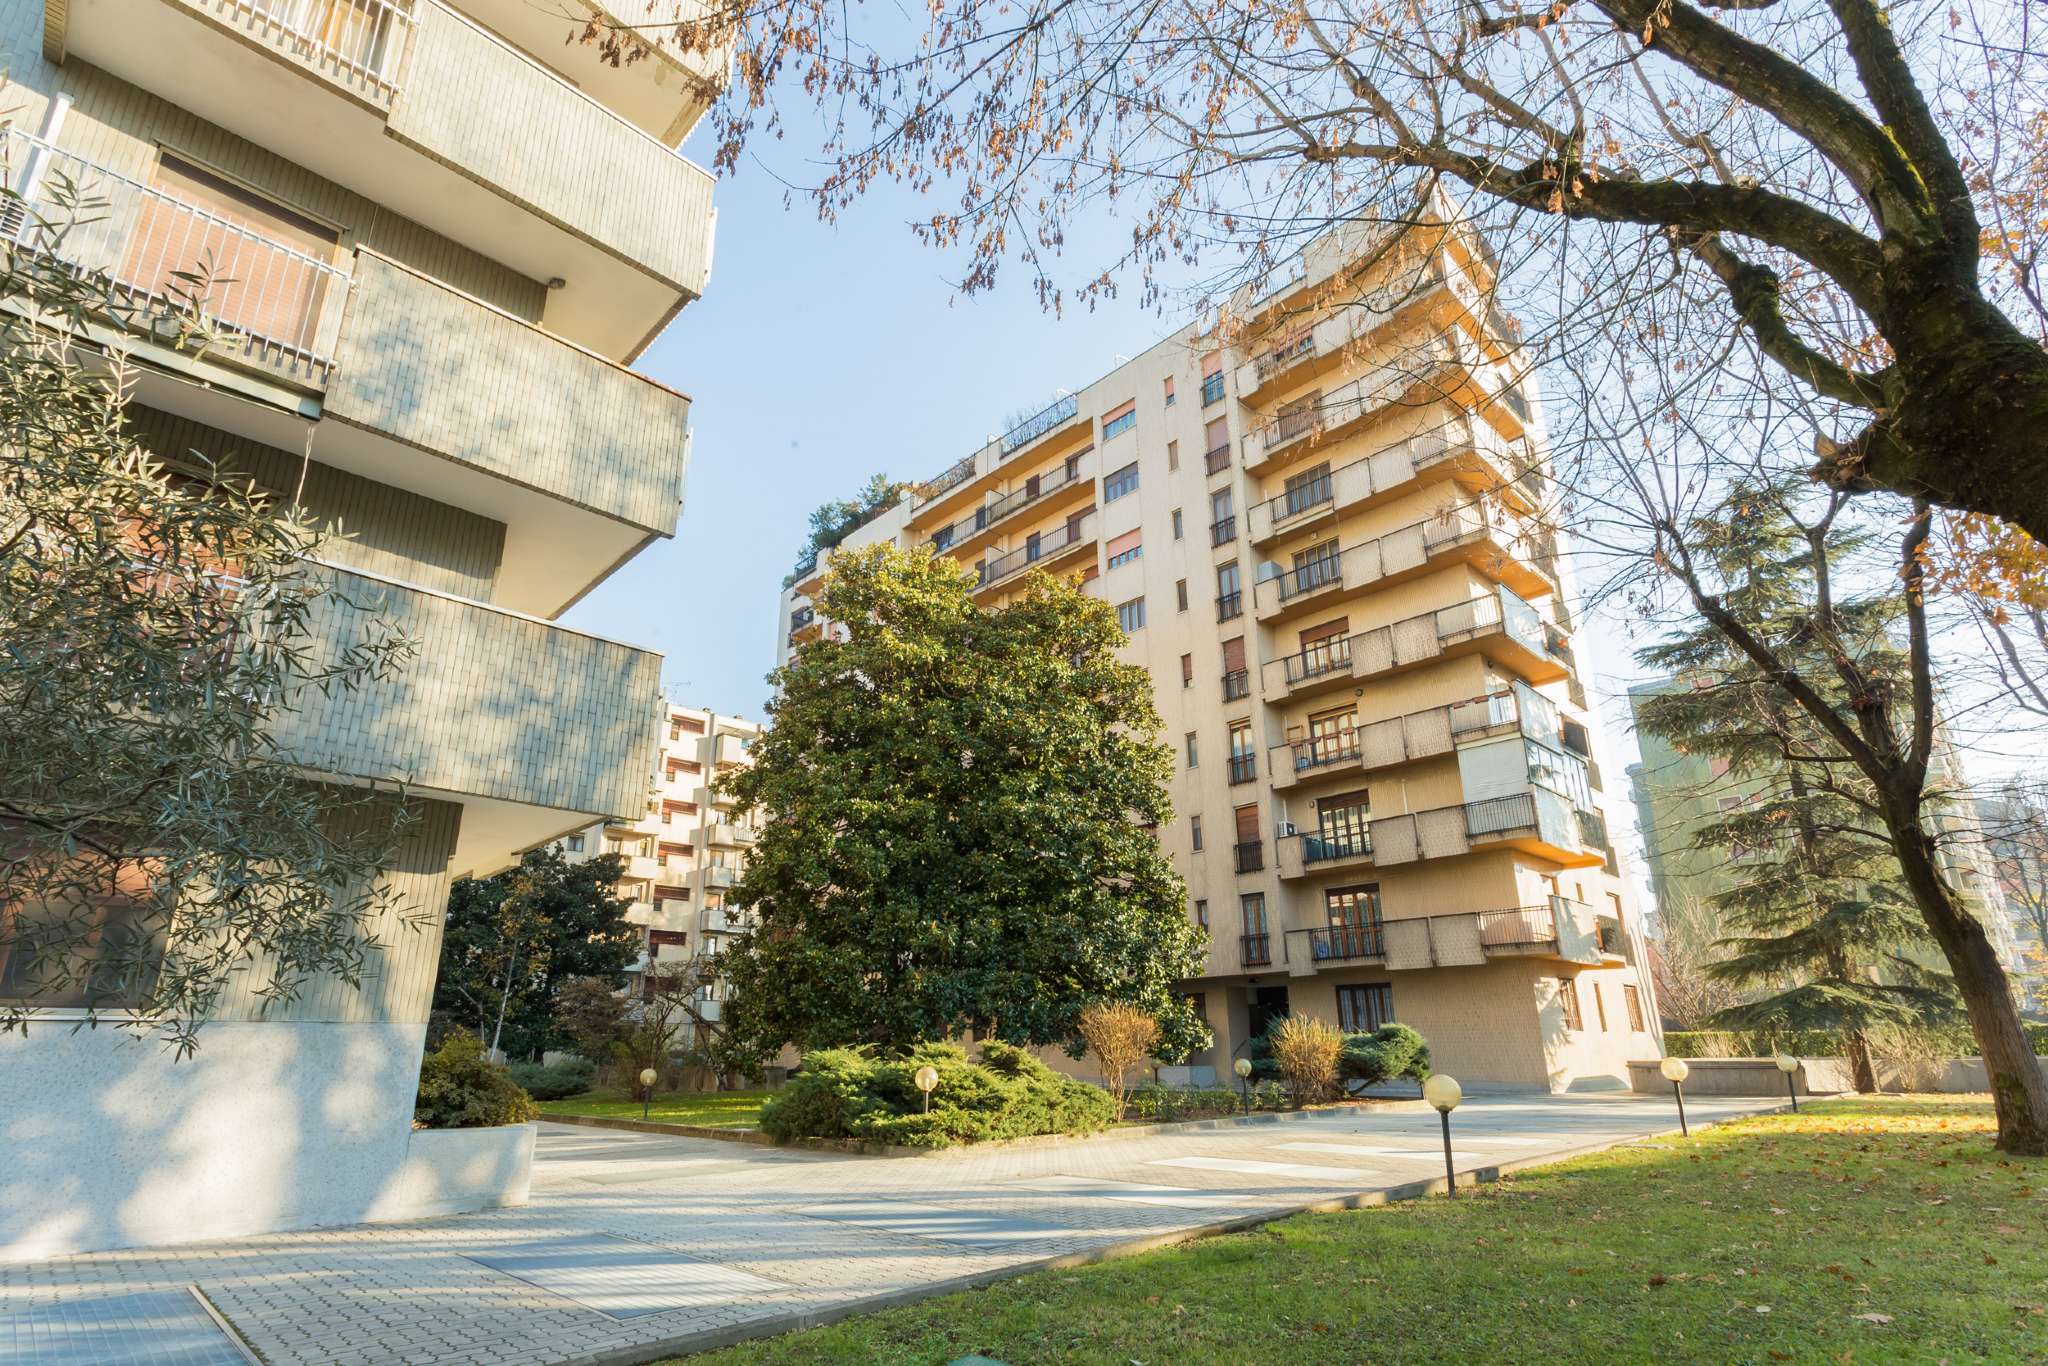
(157, 616)
(513, 940)
(833, 522)
(1821, 920)
(960, 808)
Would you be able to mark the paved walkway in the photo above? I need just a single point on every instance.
(633, 1240)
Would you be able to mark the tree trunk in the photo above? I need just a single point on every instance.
(2017, 1088)
(504, 1000)
(1860, 1065)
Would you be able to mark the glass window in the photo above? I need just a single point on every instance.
(1120, 420)
(1568, 997)
(1202, 914)
(1131, 615)
(1120, 483)
(1125, 548)
(1173, 455)
(1187, 671)
(1194, 759)
(1633, 999)
(1212, 388)
(575, 844)
(1176, 524)
(1169, 391)
(1564, 774)
(1195, 827)
(1180, 593)
(1362, 1009)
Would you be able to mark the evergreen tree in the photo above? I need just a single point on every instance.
(959, 809)
(1820, 919)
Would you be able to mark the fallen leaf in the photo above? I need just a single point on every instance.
(1658, 1279)
(1873, 1317)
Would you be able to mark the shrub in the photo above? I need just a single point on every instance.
(1392, 1050)
(1165, 1104)
(459, 1089)
(1269, 1095)
(1306, 1051)
(554, 1081)
(850, 1093)
(1120, 1035)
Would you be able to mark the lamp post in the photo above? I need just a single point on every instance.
(1243, 1068)
(1676, 1071)
(648, 1076)
(926, 1077)
(1444, 1093)
(1789, 1065)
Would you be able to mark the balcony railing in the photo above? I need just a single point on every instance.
(1315, 660)
(1004, 507)
(956, 474)
(1218, 460)
(802, 617)
(1280, 357)
(1321, 846)
(1292, 424)
(1299, 498)
(273, 305)
(357, 43)
(1410, 547)
(1237, 684)
(1255, 950)
(1243, 769)
(1223, 530)
(1229, 605)
(1345, 943)
(1039, 423)
(1250, 855)
(1042, 547)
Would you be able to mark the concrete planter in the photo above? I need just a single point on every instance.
(455, 1171)
(1816, 1076)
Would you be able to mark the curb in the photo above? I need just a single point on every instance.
(855, 1146)
(711, 1339)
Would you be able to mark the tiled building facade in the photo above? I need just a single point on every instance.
(440, 237)
(1327, 540)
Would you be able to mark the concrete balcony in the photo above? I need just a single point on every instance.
(1561, 931)
(1483, 533)
(1399, 740)
(675, 870)
(1033, 444)
(1062, 548)
(641, 868)
(417, 107)
(721, 920)
(716, 877)
(724, 835)
(534, 729)
(1535, 821)
(1303, 352)
(1450, 367)
(727, 748)
(1041, 495)
(1463, 449)
(1500, 626)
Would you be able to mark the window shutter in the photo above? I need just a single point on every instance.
(1329, 630)
(1247, 824)
(1233, 655)
(1128, 541)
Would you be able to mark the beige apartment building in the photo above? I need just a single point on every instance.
(688, 845)
(1326, 539)
(440, 238)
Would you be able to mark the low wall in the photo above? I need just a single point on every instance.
(1816, 1076)
(454, 1171)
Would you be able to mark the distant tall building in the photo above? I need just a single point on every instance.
(688, 846)
(1323, 542)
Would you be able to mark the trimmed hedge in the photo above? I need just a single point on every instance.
(559, 1081)
(1810, 1043)
(459, 1089)
(1392, 1050)
(852, 1094)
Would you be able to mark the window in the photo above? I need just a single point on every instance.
(1169, 391)
(1202, 914)
(675, 730)
(1362, 1009)
(1120, 483)
(1564, 774)
(1229, 592)
(1222, 518)
(1180, 593)
(1251, 850)
(1194, 760)
(1187, 671)
(1195, 829)
(1243, 764)
(1353, 916)
(574, 844)
(1633, 999)
(1306, 490)
(1173, 455)
(1131, 615)
(1212, 378)
(691, 725)
(101, 950)
(1568, 997)
(1176, 524)
(1257, 943)
(1600, 1007)
(1117, 421)
(1216, 438)
(1314, 567)
(1237, 679)
(1343, 827)
(1123, 549)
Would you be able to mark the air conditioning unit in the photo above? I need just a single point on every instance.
(1283, 829)
(1268, 570)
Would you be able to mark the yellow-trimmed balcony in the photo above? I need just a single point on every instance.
(1500, 626)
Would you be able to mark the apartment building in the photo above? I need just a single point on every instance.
(1324, 538)
(688, 845)
(440, 237)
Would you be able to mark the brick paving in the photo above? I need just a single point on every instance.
(693, 1241)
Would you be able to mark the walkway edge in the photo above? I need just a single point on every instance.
(712, 1339)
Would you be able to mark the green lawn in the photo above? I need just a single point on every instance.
(715, 1109)
(1864, 1230)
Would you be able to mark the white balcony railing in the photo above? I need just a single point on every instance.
(278, 306)
(354, 42)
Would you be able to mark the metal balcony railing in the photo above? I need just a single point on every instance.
(1292, 425)
(273, 303)
(1250, 855)
(362, 41)
(1229, 605)
(1299, 498)
(802, 617)
(1284, 355)
(1255, 950)
(1039, 423)
(1237, 684)
(1051, 543)
(1217, 460)
(954, 475)
(1344, 943)
(1223, 530)
(1321, 846)
(1316, 751)
(1243, 769)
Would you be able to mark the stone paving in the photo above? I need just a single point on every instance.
(632, 1241)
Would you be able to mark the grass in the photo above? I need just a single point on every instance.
(710, 1109)
(1876, 1230)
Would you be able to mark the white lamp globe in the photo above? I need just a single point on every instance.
(1786, 1063)
(1674, 1069)
(926, 1077)
(1442, 1091)
(648, 1076)
(1243, 1067)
